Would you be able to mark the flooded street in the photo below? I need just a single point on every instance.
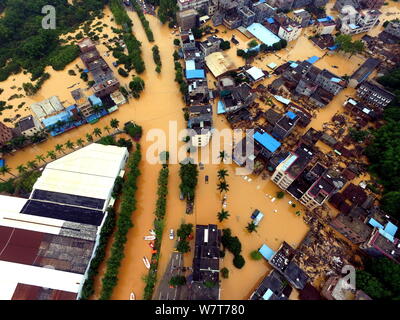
(160, 103)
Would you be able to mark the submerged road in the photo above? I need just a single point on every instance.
(165, 292)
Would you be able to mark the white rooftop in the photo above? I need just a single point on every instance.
(256, 73)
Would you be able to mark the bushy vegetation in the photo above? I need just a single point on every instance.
(157, 58)
(124, 223)
(380, 279)
(177, 281)
(167, 12)
(143, 20)
(256, 255)
(137, 86)
(184, 231)
(234, 245)
(345, 44)
(188, 174)
(120, 15)
(225, 273)
(183, 87)
(26, 45)
(384, 150)
(133, 130)
(99, 255)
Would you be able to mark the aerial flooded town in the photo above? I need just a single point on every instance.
(209, 150)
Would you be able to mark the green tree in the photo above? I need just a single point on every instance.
(251, 227)
(371, 285)
(222, 174)
(253, 43)
(177, 281)
(89, 137)
(31, 164)
(51, 155)
(280, 194)
(21, 169)
(114, 123)
(6, 170)
(225, 273)
(137, 86)
(80, 142)
(59, 148)
(183, 246)
(40, 158)
(69, 145)
(223, 186)
(97, 132)
(223, 215)
(256, 255)
(238, 261)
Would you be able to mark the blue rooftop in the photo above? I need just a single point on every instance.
(95, 101)
(263, 34)
(375, 223)
(313, 59)
(291, 115)
(195, 74)
(2, 163)
(266, 251)
(268, 294)
(221, 107)
(267, 141)
(391, 229)
(270, 20)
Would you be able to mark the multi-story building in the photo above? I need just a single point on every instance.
(187, 19)
(290, 31)
(282, 4)
(302, 17)
(263, 11)
(363, 72)
(29, 126)
(199, 5)
(393, 28)
(330, 82)
(374, 94)
(211, 45)
(206, 261)
(354, 22)
(273, 287)
(340, 4)
(325, 25)
(82, 102)
(382, 244)
(285, 125)
(248, 17)
(5, 134)
(201, 123)
(291, 168)
(353, 227)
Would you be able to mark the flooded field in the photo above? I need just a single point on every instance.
(160, 103)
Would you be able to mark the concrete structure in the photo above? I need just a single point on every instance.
(374, 94)
(199, 5)
(29, 126)
(187, 19)
(340, 4)
(263, 34)
(5, 134)
(289, 32)
(302, 17)
(372, 4)
(211, 45)
(49, 239)
(273, 287)
(82, 102)
(46, 108)
(325, 26)
(219, 64)
(354, 22)
(363, 72)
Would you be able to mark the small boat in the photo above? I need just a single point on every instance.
(149, 238)
(151, 244)
(152, 232)
(132, 296)
(146, 262)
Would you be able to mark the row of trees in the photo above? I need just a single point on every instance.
(161, 208)
(263, 49)
(124, 223)
(189, 176)
(167, 12)
(99, 255)
(143, 20)
(157, 58)
(184, 231)
(183, 86)
(234, 245)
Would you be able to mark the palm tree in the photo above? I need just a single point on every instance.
(70, 145)
(107, 128)
(89, 137)
(223, 186)
(52, 155)
(21, 169)
(222, 155)
(5, 169)
(97, 132)
(251, 227)
(80, 142)
(114, 123)
(59, 148)
(32, 164)
(40, 158)
(222, 174)
(223, 215)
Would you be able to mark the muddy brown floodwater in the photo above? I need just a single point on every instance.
(160, 103)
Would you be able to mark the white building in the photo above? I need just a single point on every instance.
(193, 4)
(289, 32)
(29, 126)
(354, 22)
(48, 240)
